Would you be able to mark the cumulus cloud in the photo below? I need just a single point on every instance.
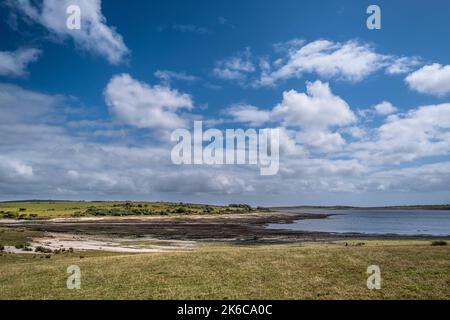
(422, 132)
(315, 114)
(317, 108)
(248, 114)
(431, 79)
(422, 178)
(95, 35)
(145, 106)
(41, 154)
(385, 108)
(15, 63)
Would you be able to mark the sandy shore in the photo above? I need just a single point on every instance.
(104, 232)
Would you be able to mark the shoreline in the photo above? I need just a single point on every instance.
(250, 229)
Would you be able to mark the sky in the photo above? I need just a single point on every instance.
(363, 114)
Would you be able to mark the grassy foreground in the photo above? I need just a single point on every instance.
(413, 270)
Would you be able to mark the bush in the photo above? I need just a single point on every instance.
(9, 215)
(2, 248)
(182, 210)
(439, 243)
(241, 206)
(207, 210)
(43, 250)
(22, 209)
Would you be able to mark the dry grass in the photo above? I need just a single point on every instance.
(409, 271)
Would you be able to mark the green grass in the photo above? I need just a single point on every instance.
(317, 271)
(17, 237)
(55, 209)
(411, 269)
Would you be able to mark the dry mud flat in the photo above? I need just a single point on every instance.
(236, 229)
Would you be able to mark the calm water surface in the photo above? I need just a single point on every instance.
(401, 222)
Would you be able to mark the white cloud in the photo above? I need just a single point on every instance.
(236, 67)
(20, 105)
(95, 35)
(422, 132)
(13, 169)
(14, 63)
(322, 141)
(432, 79)
(355, 132)
(315, 114)
(42, 155)
(145, 106)
(317, 108)
(248, 114)
(423, 178)
(351, 61)
(385, 108)
(403, 65)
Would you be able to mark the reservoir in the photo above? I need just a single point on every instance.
(371, 221)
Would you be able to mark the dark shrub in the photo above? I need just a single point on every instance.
(22, 209)
(439, 243)
(182, 210)
(241, 206)
(43, 250)
(208, 210)
(10, 215)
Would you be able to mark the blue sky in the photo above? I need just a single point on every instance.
(364, 113)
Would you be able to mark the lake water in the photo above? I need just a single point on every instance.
(400, 222)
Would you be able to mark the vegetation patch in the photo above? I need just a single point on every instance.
(439, 243)
(32, 210)
(19, 238)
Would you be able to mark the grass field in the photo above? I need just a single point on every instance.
(58, 209)
(409, 270)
